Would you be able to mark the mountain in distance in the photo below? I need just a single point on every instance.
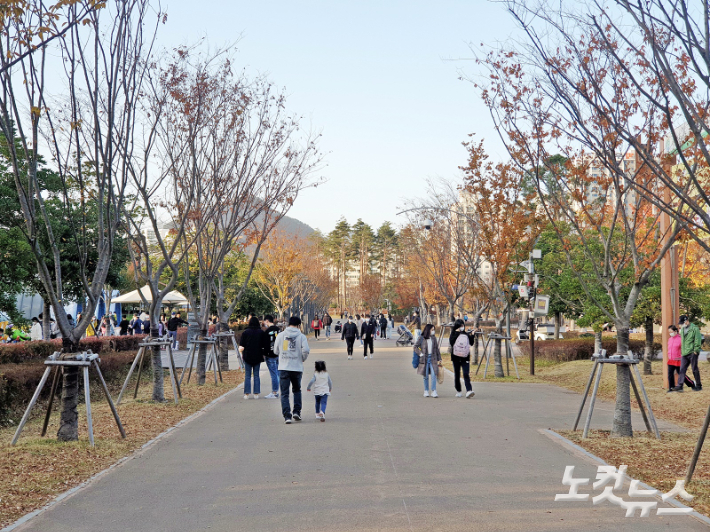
(295, 227)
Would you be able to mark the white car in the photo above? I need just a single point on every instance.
(542, 332)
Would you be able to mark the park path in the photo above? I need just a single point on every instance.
(385, 459)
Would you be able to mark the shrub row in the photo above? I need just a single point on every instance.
(579, 348)
(27, 351)
(19, 381)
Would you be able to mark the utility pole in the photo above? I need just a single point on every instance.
(532, 292)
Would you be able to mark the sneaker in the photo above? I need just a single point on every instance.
(256, 396)
(246, 396)
(426, 393)
(322, 417)
(434, 394)
(459, 394)
(287, 421)
(272, 395)
(318, 415)
(470, 394)
(698, 389)
(677, 389)
(297, 417)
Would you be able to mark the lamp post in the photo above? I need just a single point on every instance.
(532, 292)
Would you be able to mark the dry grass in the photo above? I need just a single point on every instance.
(38, 469)
(657, 463)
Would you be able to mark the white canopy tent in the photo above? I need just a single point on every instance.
(171, 298)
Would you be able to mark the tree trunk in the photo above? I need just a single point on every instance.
(476, 338)
(622, 410)
(157, 363)
(46, 326)
(223, 348)
(497, 359)
(202, 359)
(558, 319)
(648, 351)
(597, 342)
(69, 417)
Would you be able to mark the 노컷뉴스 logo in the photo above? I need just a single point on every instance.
(608, 474)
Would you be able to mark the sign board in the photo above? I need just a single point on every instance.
(542, 305)
(523, 291)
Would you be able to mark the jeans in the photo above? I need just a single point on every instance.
(321, 403)
(350, 341)
(461, 363)
(273, 364)
(173, 337)
(327, 331)
(293, 379)
(692, 361)
(248, 368)
(429, 371)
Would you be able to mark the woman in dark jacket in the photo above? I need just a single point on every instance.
(461, 362)
(429, 358)
(254, 344)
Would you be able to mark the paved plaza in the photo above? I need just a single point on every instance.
(386, 459)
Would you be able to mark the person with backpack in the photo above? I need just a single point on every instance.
(327, 322)
(461, 342)
(316, 325)
(350, 334)
(271, 358)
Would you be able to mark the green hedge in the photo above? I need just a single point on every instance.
(579, 348)
(19, 381)
(40, 350)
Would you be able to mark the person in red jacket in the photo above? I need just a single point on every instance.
(674, 355)
(316, 325)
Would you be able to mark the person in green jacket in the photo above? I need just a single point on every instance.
(690, 350)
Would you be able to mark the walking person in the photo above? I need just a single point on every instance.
(36, 330)
(292, 349)
(367, 333)
(461, 343)
(429, 359)
(272, 359)
(253, 344)
(173, 323)
(691, 339)
(316, 325)
(383, 327)
(350, 334)
(123, 327)
(674, 358)
(416, 326)
(327, 322)
(137, 325)
(322, 386)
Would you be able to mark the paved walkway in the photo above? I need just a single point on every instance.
(385, 459)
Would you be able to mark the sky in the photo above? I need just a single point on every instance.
(379, 80)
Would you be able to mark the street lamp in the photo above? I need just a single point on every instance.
(532, 282)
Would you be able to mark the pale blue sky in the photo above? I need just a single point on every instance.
(372, 77)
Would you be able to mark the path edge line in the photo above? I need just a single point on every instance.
(138, 452)
(558, 438)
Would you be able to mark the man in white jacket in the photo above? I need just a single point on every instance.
(36, 330)
(291, 346)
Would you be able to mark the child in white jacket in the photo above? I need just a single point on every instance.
(322, 386)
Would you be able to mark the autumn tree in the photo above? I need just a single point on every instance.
(79, 117)
(571, 98)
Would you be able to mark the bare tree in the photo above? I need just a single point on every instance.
(570, 98)
(80, 122)
(244, 150)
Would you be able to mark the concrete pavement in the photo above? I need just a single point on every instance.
(385, 459)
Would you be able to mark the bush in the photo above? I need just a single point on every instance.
(40, 350)
(19, 381)
(579, 348)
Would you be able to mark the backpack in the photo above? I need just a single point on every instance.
(461, 346)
